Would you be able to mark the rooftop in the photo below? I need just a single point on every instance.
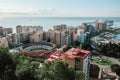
(54, 56)
(77, 53)
(71, 53)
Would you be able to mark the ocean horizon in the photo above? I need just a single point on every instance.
(49, 22)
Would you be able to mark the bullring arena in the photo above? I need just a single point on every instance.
(39, 49)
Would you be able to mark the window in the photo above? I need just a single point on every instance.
(77, 64)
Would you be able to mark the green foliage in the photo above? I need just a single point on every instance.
(79, 75)
(25, 71)
(116, 68)
(16, 66)
(38, 59)
(4, 50)
(7, 66)
(102, 61)
(76, 43)
(86, 45)
(56, 70)
(110, 49)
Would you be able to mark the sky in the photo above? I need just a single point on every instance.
(60, 8)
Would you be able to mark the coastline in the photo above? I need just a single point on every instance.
(49, 22)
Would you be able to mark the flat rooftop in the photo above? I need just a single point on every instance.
(77, 53)
(71, 53)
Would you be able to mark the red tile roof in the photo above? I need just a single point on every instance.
(50, 59)
(71, 53)
(56, 55)
(77, 53)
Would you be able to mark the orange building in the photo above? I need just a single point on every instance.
(78, 59)
(75, 57)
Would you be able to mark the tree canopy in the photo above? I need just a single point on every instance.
(116, 68)
(16, 66)
(7, 66)
(110, 49)
(79, 75)
(56, 70)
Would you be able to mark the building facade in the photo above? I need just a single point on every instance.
(80, 35)
(61, 27)
(4, 42)
(36, 37)
(25, 29)
(78, 59)
(100, 25)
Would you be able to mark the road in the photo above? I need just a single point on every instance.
(112, 59)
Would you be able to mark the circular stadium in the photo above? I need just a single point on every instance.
(38, 49)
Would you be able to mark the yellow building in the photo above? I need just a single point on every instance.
(78, 59)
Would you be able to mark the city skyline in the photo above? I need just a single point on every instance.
(61, 8)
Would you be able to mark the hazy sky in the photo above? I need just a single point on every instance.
(60, 8)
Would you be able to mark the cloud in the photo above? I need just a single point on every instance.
(45, 11)
(24, 12)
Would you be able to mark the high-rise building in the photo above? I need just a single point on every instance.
(51, 35)
(80, 35)
(44, 36)
(68, 40)
(13, 40)
(58, 38)
(36, 37)
(5, 31)
(24, 37)
(100, 25)
(63, 38)
(90, 28)
(72, 32)
(61, 27)
(20, 28)
(78, 59)
(34, 28)
(84, 26)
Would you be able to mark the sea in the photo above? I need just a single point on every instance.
(49, 22)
